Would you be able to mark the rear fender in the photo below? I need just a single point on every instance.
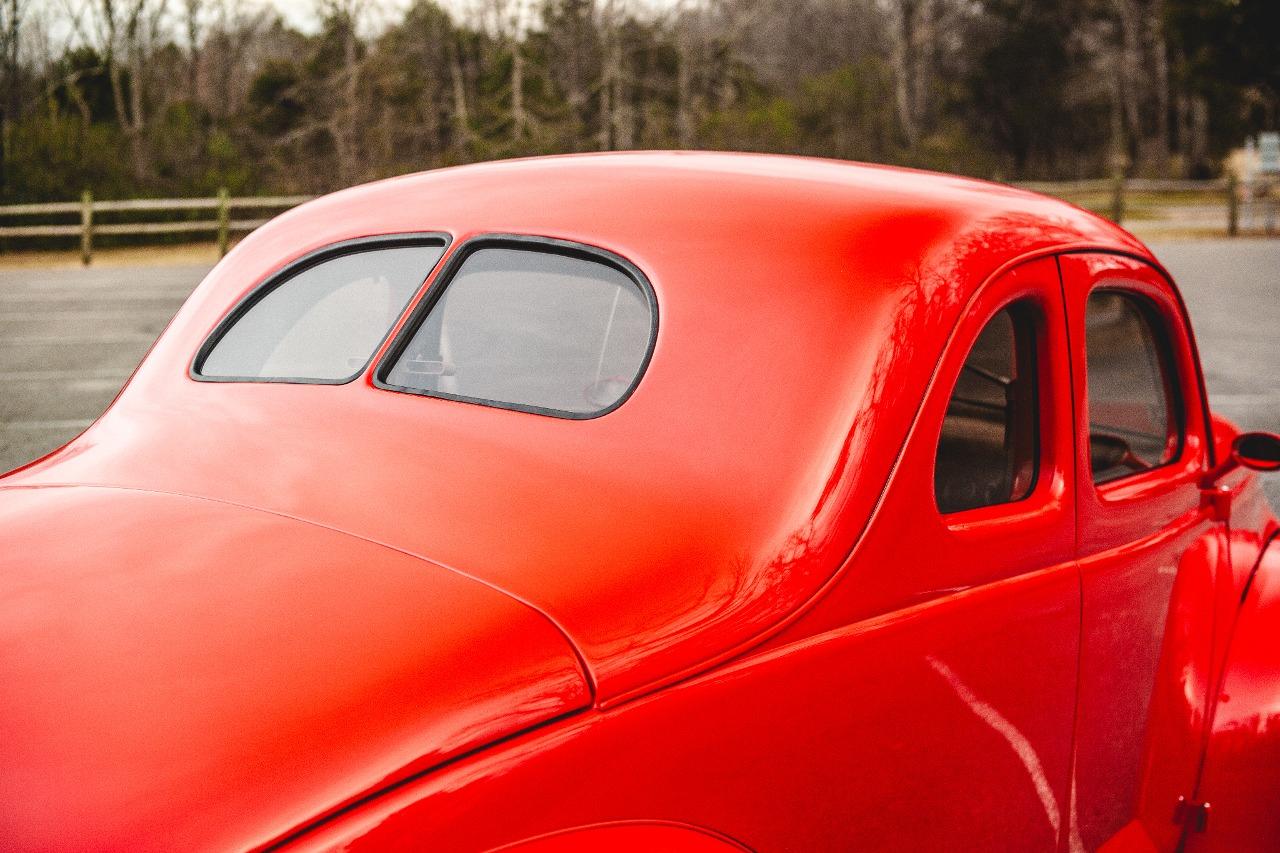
(1241, 776)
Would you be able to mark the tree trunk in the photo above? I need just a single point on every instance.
(623, 117)
(904, 70)
(193, 48)
(609, 73)
(1159, 77)
(128, 125)
(1130, 69)
(604, 136)
(1199, 133)
(922, 53)
(137, 144)
(71, 85)
(1115, 90)
(519, 121)
(461, 119)
(10, 106)
(685, 136)
(345, 117)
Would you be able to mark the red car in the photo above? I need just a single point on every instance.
(685, 502)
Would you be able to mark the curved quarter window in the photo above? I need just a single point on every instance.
(322, 320)
(523, 325)
(988, 452)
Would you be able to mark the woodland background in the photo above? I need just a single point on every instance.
(181, 97)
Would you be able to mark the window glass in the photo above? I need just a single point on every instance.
(1132, 424)
(325, 322)
(530, 329)
(988, 451)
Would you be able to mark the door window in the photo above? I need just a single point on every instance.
(1133, 422)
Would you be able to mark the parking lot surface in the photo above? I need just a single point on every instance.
(69, 338)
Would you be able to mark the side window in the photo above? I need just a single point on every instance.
(323, 322)
(1133, 420)
(552, 332)
(989, 449)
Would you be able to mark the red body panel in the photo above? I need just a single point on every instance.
(727, 610)
(183, 674)
(1242, 763)
(1149, 554)
(765, 270)
(830, 744)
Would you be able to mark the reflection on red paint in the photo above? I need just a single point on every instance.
(727, 613)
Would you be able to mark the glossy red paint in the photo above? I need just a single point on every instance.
(729, 606)
(627, 837)
(1242, 764)
(181, 673)
(1148, 553)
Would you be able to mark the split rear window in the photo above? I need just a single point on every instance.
(320, 321)
(513, 322)
(530, 327)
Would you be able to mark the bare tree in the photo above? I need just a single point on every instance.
(458, 84)
(508, 21)
(690, 26)
(11, 18)
(193, 27)
(232, 49)
(609, 14)
(124, 33)
(574, 56)
(341, 89)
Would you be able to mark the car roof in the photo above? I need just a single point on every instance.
(803, 306)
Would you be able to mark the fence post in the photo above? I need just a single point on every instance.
(1117, 196)
(86, 227)
(1233, 204)
(224, 220)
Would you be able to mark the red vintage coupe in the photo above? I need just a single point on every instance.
(683, 502)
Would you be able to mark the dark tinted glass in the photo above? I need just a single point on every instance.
(530, 329)
(987, 453)
(323, 323)
(1132, 423)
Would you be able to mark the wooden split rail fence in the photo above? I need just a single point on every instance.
(221, 226)
(1115, 197)
(1191, 206)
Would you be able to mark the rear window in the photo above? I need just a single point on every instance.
(534, 327)
(323, 319)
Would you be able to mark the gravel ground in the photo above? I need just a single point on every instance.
(69, 337)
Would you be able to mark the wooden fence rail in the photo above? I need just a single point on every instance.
(222, 225)
(1117, 197)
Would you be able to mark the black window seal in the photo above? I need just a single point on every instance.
(298, 266)
(525, 242)
(1161, 336)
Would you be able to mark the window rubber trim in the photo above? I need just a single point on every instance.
(300, 265)
(524, 242)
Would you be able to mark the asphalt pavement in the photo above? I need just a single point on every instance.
(69, 338)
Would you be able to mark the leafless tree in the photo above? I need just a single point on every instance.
(11, 21)
(124, 33)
